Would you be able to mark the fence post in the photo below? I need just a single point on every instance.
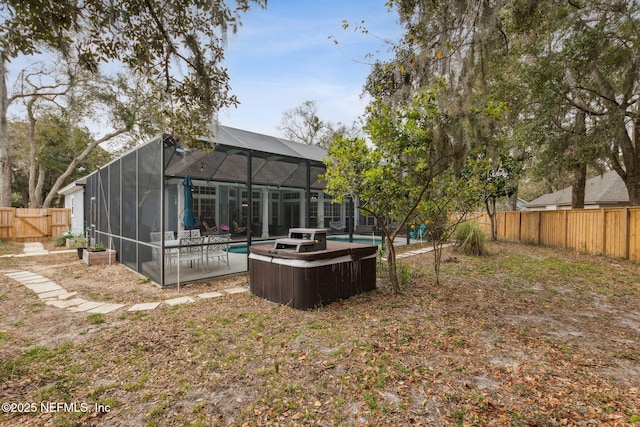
(565, 237)
(520, 226)
(627, 233)
(604, 232)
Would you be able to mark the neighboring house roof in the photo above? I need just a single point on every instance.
(73, 187)
(606, 189)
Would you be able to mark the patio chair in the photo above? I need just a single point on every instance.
(184, 233)
(195, 232)
(156, 240)
(218, 247)
(337, 225)
(418, 233)
(191, 249)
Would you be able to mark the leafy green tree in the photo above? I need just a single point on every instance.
(583, 61)
(393, 175)
(57, 142)
(176, 45)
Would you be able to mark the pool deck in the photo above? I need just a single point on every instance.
(239, 261)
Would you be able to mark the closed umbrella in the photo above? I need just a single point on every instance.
(189, 218)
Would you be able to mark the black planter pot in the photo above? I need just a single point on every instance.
(80, 250)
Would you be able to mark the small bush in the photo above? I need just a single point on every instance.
(470, 239)
(60, 240)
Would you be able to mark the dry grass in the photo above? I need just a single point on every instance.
(526, 336)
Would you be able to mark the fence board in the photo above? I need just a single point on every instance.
(7, 220)
(634, 234)
(32, 225)
(613, 232)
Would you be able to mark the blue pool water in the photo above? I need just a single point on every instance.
(241, 248)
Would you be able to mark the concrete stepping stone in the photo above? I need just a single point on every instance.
(39, 288)
(66, 303)
(34, 280)
(67, 295)
(89, 305)
(17, 275)
(144, 306)
(106, 308)
(210, 295)
(52, 294)
(237, 290)
(180, 300)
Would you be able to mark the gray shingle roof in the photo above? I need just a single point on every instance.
(607, 188)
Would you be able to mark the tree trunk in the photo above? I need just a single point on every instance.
(512, 201)
(393, 266)
(72, 166)
(578, 186)
(490, 205)
(5, 142)
(33, 167)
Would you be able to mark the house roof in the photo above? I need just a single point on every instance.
(73, 187)
(274, 161)
(605, 189)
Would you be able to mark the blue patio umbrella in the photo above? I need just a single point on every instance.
(189, 219)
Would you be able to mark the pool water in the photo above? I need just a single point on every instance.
(241, 248)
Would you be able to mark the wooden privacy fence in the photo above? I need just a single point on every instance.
(33, 225)
(613, 232)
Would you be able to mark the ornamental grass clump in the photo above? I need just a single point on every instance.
(470, 239)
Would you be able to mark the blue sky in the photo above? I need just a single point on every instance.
(283, 56)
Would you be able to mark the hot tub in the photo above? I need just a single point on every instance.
(305, 280)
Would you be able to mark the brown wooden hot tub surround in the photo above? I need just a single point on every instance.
(304, 280)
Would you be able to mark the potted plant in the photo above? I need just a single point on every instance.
(97, 248)
(80, 242)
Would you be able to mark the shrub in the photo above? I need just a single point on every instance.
(60, 240)
(470, 239)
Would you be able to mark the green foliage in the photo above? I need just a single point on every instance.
(60, 240)
(470, 239)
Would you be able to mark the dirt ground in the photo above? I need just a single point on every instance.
(528, 336)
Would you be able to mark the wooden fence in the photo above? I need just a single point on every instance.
(33, 225)
(614, 232)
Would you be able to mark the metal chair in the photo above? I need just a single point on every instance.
(184, 233)
(190, 249)
(156, 240)
(218, 247)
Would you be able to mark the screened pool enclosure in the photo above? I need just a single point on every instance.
(247, 187)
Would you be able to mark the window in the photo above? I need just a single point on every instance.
(204, 201)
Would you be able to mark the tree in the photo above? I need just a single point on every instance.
(176, 45)
(302, 124)
(57, 142)
(392, 175)
(592, 53)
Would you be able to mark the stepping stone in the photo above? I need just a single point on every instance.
(20, 274)
(67, 303)
(180, 300)
(33, 281)
(52, 294)
(43, 287)
(39, 288)
(210, 295)
(67, 295)
(86, 306)
(106, 308)
(238, 290)
(144, 306)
